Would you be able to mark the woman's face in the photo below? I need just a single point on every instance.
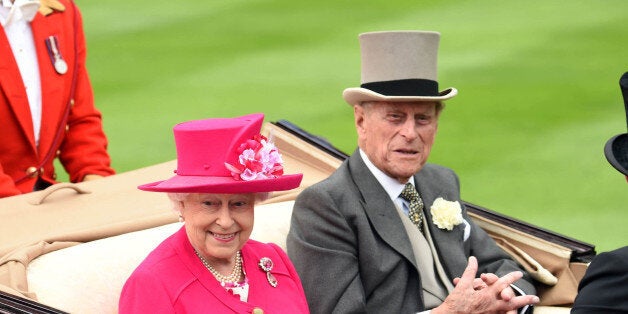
(218, 225)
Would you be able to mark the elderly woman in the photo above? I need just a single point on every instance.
(210, 265)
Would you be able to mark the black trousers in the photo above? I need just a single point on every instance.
(41, 185)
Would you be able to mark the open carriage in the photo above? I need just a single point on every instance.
(71, 247)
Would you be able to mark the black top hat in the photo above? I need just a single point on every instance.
(616, 149)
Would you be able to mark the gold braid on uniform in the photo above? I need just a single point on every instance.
(48, 6)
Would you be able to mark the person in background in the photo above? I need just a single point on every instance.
(210, 265)
(46, 100)
(604, 287)
(387, 232)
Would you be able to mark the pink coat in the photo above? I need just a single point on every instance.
(172, 279)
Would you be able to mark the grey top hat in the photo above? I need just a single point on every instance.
(398, 66)
(616, 149)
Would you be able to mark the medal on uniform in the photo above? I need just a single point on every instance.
(61, 66)
(266, 264)
(52, 43)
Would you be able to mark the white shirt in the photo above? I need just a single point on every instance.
(392, 187)
(15, 20)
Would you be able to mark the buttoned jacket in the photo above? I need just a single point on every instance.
(353, 254)
(172, 279)
(81, 146)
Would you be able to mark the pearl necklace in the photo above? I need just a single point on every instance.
(235, 275)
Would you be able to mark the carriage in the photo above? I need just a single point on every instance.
(70, 248)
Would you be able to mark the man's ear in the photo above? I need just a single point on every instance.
(358, 115)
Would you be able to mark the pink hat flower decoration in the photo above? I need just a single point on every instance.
(258, 159)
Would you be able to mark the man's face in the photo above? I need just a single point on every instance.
(397, 136)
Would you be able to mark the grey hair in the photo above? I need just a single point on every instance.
(178, 199)
(366, 104)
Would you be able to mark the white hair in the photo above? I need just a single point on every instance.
(439, 104)
(178, 199)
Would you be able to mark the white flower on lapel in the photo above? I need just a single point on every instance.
(446, 214)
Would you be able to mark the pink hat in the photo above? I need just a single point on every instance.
(225, 155)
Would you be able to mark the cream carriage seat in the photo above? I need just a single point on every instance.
(88, 277)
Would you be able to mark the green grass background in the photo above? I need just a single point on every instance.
(538, 88)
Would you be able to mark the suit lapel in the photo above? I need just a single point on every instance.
(51, 82)
(13, 88)
(445, 241)
(379, 209)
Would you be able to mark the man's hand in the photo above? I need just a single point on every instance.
(487, 294)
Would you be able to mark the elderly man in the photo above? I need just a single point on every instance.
(386, 232)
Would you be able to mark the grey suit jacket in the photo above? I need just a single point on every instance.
(353, 255)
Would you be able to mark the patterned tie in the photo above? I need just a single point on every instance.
(415, 213)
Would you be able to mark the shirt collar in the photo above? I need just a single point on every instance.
(390, 185)
(19, 10)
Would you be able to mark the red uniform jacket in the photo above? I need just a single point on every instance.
(82, 145)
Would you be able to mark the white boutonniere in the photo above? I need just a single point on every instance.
(446, 214)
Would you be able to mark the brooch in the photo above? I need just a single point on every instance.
(266, 264)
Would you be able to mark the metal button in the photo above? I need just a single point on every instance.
(257, 310)
(31, 172)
